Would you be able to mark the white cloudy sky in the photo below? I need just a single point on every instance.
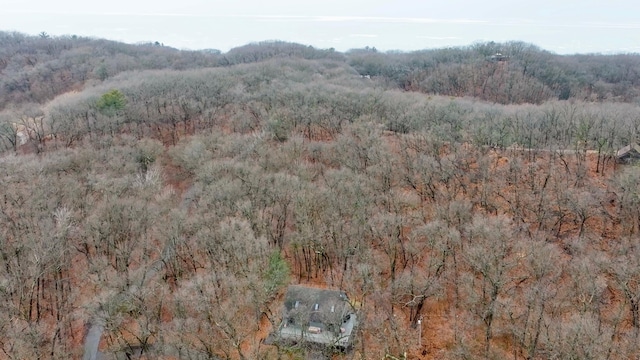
(561, 26)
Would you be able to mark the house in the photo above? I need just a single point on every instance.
(628, 154)
(498, 57)
(319, 316)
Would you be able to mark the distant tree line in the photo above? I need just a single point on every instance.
(35, 69)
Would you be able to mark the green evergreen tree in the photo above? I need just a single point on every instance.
(111, 102)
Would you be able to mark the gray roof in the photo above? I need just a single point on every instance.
(629, 150)
(316, 304)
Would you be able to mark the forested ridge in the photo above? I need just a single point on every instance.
(171, 196)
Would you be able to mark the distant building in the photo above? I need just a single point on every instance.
(498, 57)
(628, 154)
(318, 316)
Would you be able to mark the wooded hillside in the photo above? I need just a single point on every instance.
(164, 199)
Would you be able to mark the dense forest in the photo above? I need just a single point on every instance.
(158, 201)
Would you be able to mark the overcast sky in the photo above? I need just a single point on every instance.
(561, 26)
